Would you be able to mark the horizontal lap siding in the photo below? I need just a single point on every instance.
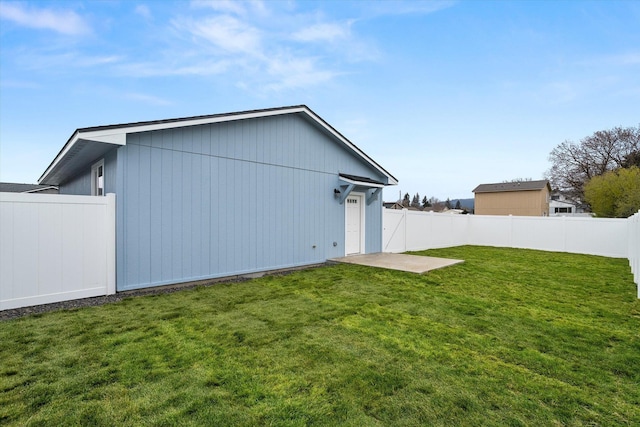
(231, 198)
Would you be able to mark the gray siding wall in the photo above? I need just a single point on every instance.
(232, 198)
(81, 183)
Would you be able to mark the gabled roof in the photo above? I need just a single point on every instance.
(512, 186)
(87, 144)
(12, 187)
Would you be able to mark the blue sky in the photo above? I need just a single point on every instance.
(445, 95)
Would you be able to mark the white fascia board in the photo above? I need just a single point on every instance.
(118, 135)
(37, 190)
(361, 183)
(113, 136)
(248, 115)
(201, 121)
(68, 146)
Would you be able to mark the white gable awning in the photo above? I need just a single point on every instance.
(370, 186)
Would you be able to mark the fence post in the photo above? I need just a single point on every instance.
(404, 218)
(111, 243)
(564, 233)
(510, 230)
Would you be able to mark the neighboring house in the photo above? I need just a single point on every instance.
(522, 198)
(561, 205)
(11, 187)
(454, 211)
(226, 194)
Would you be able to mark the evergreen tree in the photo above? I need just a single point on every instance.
(415, 202)
(405, 200)
(447, 204)
(425, 202)
(458, 206)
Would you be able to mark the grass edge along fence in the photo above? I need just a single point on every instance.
(405, 230)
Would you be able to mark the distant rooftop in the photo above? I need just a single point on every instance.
(512, 186)
(12, 187)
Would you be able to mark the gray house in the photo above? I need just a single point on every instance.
(226, 194)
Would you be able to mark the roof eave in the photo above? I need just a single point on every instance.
(116, 134)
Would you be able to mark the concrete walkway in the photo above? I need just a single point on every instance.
(411, 263)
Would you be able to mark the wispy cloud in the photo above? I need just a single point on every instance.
(323, 32)
(177, 68)
(225, 32)
(405, 7)
(291, 73)
(54, 61)
(61, 21)
(143, 10)
(93, 61)
(235, 7)
(267, 49)
(226, 6)
(257, 45)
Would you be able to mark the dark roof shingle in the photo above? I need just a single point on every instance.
(12, 187)
(512, 186)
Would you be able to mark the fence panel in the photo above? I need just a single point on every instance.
(612, 237)
(597, 236)
(393, 230)
(485, 230)
(55, 248)
(634, 248)
(427, 230)
(546, 234)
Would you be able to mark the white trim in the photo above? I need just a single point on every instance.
(111, 243)
(117, 135)
(37, 190)
(362, 222)
(94, 187)
(107, 137)
(361, 183)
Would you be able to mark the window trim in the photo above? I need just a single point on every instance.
(95, 190)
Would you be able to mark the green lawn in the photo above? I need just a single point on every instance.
(510, 337)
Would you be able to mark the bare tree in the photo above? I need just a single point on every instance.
(575, 164)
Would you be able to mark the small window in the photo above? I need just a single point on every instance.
(97, 179)
(563, 210)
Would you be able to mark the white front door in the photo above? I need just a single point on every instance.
(355, 224)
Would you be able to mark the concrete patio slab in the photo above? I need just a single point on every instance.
(411, 263)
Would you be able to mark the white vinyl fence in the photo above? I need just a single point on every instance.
(406, 230)
(634, 248)
(55, 248)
